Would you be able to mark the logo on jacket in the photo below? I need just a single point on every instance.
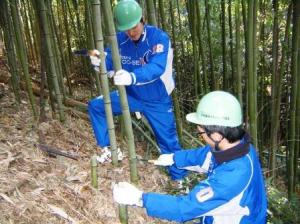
(205, 194)
(127, 60)
(158, 48)
(145, 58)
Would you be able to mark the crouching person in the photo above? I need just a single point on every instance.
(233, 191)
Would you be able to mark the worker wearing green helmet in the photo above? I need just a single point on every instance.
(147, 74)
(233, 191)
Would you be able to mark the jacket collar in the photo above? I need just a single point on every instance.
(144, 34)
(234, 152)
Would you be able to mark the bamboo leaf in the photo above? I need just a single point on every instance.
(60, 212)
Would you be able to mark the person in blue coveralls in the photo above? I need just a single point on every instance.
(146, 58)
(234, 190)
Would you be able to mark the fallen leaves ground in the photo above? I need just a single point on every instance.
(36, 188)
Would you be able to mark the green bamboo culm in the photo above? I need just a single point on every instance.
(297, 146)
(151, 12)
(162, 14)
(123, 214)
(238, 55)
(41, 8)
(230, 24)
(20, 44)
(204, 78)
(69, 56)
(122, 91)
(55, 42)
(252, 94)
(177, 75)
(98, 37)
(293, 102)
(5, 22)
(215, 81)
(276, 93)
(91, 31)
(223, 46)
(193, 21)
(94, 177)
(45, 65)
(63, 69)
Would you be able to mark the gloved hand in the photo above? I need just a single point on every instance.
(164, 160)
(95, 59)
(122, 77)
(127, 194)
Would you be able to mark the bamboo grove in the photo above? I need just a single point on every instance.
(248, 47)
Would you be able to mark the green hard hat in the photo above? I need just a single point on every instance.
(217, 108)
(128, 14)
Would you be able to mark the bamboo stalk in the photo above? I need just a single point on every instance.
(90, 33)
(293, 101)
(215, 83)
(151, 12)
(124, 104)
(98, 36)
(238, 74)
(123, 214)
(176, 75)
(94, 177)
(22, 54)
(6, 23)
(122, 91)
(252, 93)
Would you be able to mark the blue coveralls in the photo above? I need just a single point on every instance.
(233, 193)
(150, 61)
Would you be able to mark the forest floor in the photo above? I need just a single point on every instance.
(37, 188)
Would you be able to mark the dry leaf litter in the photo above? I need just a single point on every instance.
(37, 188)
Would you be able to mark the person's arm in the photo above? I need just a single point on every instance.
(197, 160)
(159, 62)
(219, 195)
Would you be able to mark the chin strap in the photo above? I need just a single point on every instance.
(216, 142)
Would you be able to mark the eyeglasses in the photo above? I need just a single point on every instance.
(201, 132)
(200, 135)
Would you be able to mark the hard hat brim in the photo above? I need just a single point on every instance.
(128, 26)
(193, 118)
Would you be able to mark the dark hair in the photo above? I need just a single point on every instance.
(231, 134)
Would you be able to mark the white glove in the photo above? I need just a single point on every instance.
(127, 194)
(164, 160)
(122, 77)
(95, 59)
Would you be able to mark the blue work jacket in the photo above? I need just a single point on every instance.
(233, 192)
(150, 61)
